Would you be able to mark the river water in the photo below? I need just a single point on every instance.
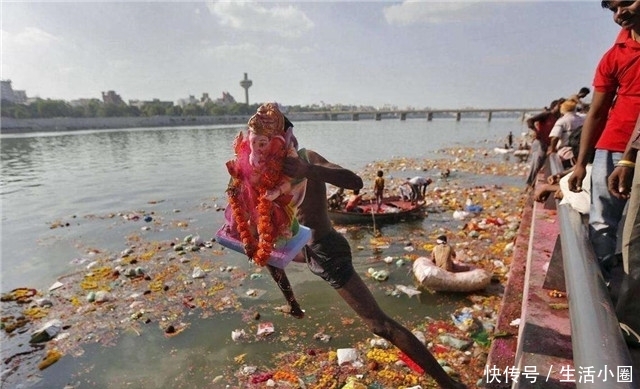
(74, 180)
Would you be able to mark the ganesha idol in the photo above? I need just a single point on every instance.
(261, 217)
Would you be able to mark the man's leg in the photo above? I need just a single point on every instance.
(606, 211)
(355, 293)
(280, 277)
(415, 193)
(628, 305)
(537, 160)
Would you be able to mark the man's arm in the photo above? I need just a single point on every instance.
(594, 124)
(319, 169)
(619, 181)
(531, 122)
(554, 136)
(591, 130)
(553, 147)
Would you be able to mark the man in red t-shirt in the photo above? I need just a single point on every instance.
(610, 121)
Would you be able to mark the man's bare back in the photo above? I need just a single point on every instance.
(313, 210)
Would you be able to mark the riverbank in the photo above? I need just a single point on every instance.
(18, 126)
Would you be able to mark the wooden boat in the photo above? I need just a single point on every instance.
(431, 277)
(393, 210)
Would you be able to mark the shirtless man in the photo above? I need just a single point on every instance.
(443, 256)
(329, 256)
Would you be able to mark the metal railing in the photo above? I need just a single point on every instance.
(596, 338)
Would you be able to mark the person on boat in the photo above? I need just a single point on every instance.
(336, 199)
(418, 187)
(378, 188)
(354, 201)
(405, 191)
(328, 256)
(443, 255)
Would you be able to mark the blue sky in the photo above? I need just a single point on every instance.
(406, 54)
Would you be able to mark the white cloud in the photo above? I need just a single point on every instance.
(415, 12)
(286, 21)
(30, 36)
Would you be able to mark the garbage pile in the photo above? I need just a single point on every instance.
(460, 345)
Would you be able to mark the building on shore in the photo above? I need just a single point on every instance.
(111, 97)
(7, 93)
(142, 103)
(226, 99)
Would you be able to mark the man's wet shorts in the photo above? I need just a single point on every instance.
(330, 258)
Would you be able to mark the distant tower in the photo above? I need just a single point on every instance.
(246, 84)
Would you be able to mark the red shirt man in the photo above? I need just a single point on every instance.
(619, 72)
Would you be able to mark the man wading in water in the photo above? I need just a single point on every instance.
(329, 256)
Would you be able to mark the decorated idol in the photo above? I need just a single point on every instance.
(262, 200)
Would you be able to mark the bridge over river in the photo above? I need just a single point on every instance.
(429, 114)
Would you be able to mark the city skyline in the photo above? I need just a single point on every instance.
(409, 54)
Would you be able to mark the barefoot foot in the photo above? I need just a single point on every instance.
(293, 310)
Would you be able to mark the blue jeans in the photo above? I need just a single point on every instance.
(606, 210)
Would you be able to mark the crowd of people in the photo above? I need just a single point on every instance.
(600, 165)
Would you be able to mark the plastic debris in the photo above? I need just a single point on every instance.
(265, 329)
(379, 343)
(378, 275)
(322, 337)
(47, 332)
(408, 290)
(56, 285)
(347, 355)
(460, 215)
(198, 273)
(237, 335)
(464, 319)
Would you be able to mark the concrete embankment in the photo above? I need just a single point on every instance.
(533, 345)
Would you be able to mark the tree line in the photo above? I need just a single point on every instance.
(49, 108)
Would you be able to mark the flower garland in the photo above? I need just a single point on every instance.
(258, 249)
